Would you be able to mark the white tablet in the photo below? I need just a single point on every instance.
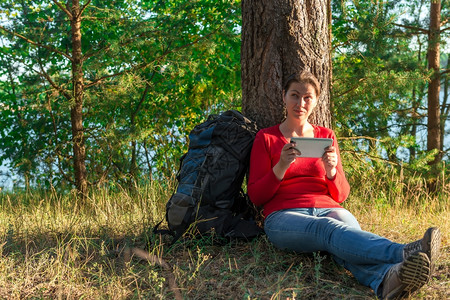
(311, 147)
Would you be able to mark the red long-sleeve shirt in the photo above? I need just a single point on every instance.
(305, 183)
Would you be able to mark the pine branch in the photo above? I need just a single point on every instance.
(144, 65)
(52, 83)
(354, 87)
(358, 138)
(84, 8)
(58, 153)
(417, 29)
(68, 13)
(371, 156)
(36, 43)
(138, 107)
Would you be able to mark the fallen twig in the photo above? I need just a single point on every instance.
(155, 260)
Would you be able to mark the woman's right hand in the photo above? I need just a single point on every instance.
(287, 157)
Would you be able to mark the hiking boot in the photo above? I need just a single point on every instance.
(429, 244)
(406, 277)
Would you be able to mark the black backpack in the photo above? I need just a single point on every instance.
(209, 196)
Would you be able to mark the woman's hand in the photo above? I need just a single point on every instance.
(330, 161)
(287, 157)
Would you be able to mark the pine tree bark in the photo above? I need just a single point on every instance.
(76, 112)
(279, 38)
(434, 127)
(445, 106)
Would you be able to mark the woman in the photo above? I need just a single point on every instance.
(301, 196)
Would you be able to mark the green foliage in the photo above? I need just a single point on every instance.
(395, 184)
(152, 71)
(380, 77)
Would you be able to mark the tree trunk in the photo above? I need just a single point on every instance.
(417, 95)
(445, 106)
(76, 112)
(414, 120)
(279, 38)
(434, 136)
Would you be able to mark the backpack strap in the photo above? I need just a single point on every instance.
(162, 231)
(176, 235)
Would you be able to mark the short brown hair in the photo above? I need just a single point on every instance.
(303, 77)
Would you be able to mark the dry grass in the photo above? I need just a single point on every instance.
(53, 247)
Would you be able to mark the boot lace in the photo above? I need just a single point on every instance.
(412, 248)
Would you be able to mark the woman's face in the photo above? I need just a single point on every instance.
(300, 100)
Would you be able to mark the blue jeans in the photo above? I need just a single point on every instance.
(335, 230)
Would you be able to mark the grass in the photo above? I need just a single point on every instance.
(54, 247)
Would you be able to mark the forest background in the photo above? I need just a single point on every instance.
(153, 70)
(149, 71)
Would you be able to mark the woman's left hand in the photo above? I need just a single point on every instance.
(330, 161)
